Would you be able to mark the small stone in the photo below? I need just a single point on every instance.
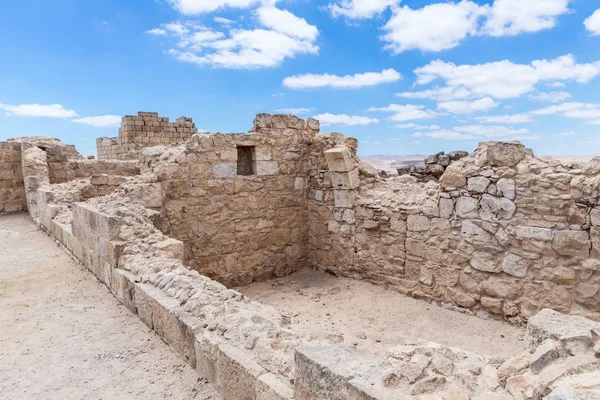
(478, 184)
(543, 355)
(513, 366)
(428, 385)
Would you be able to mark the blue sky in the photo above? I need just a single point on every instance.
(404, 77)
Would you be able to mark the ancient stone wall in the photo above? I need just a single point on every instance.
(239, 227)
(144, 130)
(12, 189)
(505, 233)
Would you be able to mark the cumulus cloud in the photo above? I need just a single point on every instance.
(506, 119)
(443, 25)
(157, 32)
(195, 7)
(552, 97)
(592, 23)
(415, 126)
(38, 110)
(103, 121)
(511, 17)
(343, 119)
(435, 27)
(313, 81)
(479, 132)
(406, 112)
(467, 107)
(503, 79)
(357, 9)
(294, 111)
(440, 94)
(282, 35)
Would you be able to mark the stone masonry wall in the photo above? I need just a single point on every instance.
(505, 234)
(12, 189)
(144, 130)
(240, 228)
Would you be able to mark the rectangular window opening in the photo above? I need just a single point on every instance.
(246, 160)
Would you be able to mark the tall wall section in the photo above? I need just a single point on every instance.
(239, 201)
(144, 130)
(12, 189)
(504, 233)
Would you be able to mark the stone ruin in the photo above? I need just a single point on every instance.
(433, 167)
(169, 227)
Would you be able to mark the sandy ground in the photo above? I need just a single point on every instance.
(374, 318)
(64, 336)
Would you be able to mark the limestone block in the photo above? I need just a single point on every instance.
(359, 389)
(506, 188)
(588, 295)
(446, 207)
(514, 265)
(543, 355)
(453, 178)
(550, 324)
(207, 353)
(99, 179)
(339, 159)
(122, 285)
(595, 241)
(159, 311)
(466, 207)
(533, 233)
(225, 169)
(472, 231)
(494, 209)
(269, 387)
(344, 198)
(322, 373)
(485, 262)
(266, 168)
(237, 374)
(345, 180)
(504, 154)
(478, 184)
(595, 216)
(501, 288)
(418, 223)
(571, 243)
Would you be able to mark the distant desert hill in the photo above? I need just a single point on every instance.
(390, 163)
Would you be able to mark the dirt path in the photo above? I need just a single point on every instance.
(64, 336)
(375, 318)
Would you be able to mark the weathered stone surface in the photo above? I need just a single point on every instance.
(418, 223)
(494, 209)
(543, 355)
(478, 184)
(485, 262)
(467, 207)
(514, 265)
(504, 154)
(506, 188)
(571, 243)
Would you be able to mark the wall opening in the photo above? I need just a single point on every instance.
(246, 160)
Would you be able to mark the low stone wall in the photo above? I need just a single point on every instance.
(144, 130)
(12, 189)
(71, 169)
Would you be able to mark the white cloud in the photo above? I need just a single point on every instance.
(592, 23)
(343, 119)
(356, 9)
(38, 110)
(562, 108)
(415, 126)
(506, 119)
(565, 134)
(103, 121)
(157, 32)
(467, 107)
(195, 7)
(312, 81)
(479, 132)
(406, 112)
(284, 36)
(584, 113)
(435, 27)
(505, 79)
(556, 85)
(295, 111)
(415, 142)
(223, 21)
(446, 93)
(285, 22)
(595, 122)
(511, 17)
(552, 97)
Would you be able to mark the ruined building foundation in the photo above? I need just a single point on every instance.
(170, 220)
